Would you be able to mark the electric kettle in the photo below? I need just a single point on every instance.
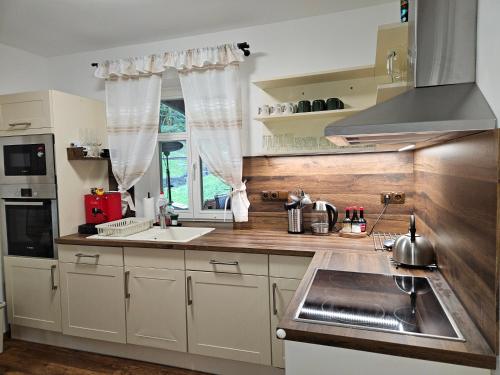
(333, 215)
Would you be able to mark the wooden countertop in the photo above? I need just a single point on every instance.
(338, 253)
(247, 241)
(473, 352)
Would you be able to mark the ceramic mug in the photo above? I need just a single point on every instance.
(263, 110)
(334, 103)
(276, 110)
(287, 108)
(318, 105)
(304, 106)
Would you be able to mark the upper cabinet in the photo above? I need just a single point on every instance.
(26, 111)
(358, 88)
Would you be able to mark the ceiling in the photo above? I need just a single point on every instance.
(59, 27)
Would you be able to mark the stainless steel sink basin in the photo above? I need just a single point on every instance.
(170, 234)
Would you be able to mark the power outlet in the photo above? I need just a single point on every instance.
(397, 197)
(274, 195)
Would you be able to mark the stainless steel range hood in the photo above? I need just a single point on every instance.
(444, 102)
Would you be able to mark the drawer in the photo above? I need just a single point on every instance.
(154, 258)
(100, 255)
(289, 267)
(220, 261)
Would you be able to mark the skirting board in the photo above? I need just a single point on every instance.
(141, 353)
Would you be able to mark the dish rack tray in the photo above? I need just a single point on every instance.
(124, 227)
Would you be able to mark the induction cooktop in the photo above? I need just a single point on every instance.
(391, 303)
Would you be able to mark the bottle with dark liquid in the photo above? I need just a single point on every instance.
(362, 221)
(346, 223)
(355, 224)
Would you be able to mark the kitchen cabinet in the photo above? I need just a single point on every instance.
(285, 272)
(33, 292)
(156, 308)
(228, 316)
(281, 293)
(25, 111)
(93, 303)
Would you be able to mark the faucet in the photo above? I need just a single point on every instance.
(163, 217)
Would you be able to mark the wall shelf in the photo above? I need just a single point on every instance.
(333, 115)
(76, 153)
(365, 71)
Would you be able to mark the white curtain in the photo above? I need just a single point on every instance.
(211, 89)
(132, 110)
(212, 98)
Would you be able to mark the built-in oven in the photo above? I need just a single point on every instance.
(29, 220)
(27, 159)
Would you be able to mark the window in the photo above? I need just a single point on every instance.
(195, 192)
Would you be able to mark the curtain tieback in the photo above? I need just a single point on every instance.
(241, 189)
(127, 200)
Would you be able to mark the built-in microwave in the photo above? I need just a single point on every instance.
(27, 159)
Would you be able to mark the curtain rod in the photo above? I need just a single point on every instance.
(243, 46)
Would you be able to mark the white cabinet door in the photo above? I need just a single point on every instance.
(281, 293)
(33, 292)
(156, 308)
(25, 111)
(228, 316)
(93, 301)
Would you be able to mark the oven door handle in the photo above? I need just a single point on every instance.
(11, 203)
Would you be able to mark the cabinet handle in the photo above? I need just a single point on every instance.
(127, 281)
(275, 310)
(189, 287)
(214, 261)
(52, 277)
(81, 255)
(14, 124)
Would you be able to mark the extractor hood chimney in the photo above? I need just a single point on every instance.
(444, 102)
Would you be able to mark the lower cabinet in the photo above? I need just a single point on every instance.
(281, 293)
(33, 292)
(92, 300)
(156, 308)
(228, 316)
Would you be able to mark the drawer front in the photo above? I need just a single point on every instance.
(99, 255)
(289, 267)
(219, 261)
(154, 258)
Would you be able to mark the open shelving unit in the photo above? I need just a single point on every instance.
(326, 115)
(365, 71)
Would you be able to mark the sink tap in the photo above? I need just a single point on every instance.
(163, 217)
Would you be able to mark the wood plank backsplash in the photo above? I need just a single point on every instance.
(356, 179)
(456, 206)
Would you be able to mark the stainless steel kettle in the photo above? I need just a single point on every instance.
(412, 249)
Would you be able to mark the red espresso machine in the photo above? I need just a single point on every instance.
(100, 207)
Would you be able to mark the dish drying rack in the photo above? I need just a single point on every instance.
(380, 237)
(124, 227)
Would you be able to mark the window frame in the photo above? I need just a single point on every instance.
(151, 180)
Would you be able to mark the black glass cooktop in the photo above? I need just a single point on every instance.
(401, 304)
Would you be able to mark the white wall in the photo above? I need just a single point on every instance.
(306, 45)
(488, 52)
(22, 71)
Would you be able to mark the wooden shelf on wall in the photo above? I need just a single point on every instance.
(333, 115)
(76, 153)
(365, 71)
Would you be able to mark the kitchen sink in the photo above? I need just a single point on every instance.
(170, 234)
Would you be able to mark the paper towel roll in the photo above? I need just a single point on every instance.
(149, 208)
